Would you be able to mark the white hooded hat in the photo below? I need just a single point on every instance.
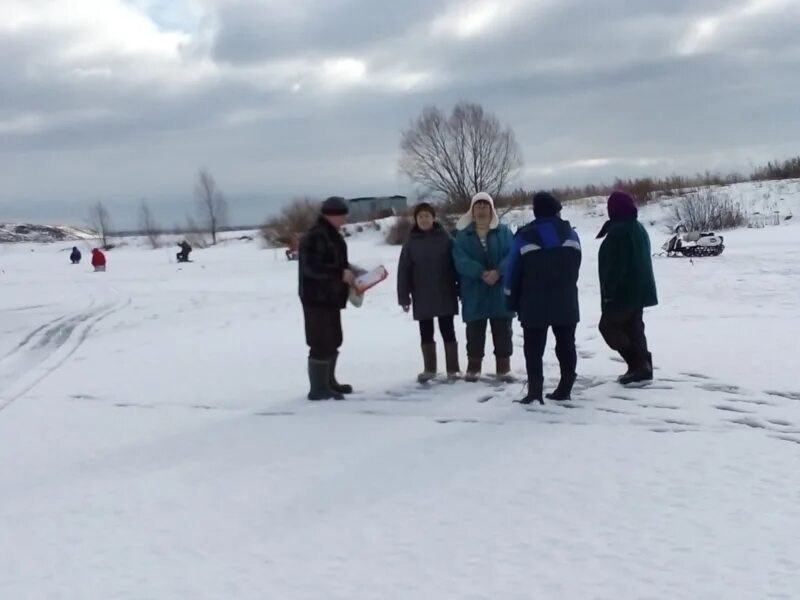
(466, 218)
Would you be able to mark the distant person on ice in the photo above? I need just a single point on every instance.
(426, 280)
(627, 286)
(98, 260)
(480, 250)
(186, 249)
(325, 278)
(75, 256)
(541, 284)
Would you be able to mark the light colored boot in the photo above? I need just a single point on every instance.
(451, 360)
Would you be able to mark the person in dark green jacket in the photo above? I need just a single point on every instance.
(481, 248)
(627, 286)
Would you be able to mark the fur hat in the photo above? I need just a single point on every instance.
(466, 219)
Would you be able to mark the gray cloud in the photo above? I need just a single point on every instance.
(662, 87)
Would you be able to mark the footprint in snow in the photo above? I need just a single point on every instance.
(670, 430)
(679, 422)
(696, 376)
(732, 409)
(614, 411)
(721, 387)
(787, 438)
(748, 422)
(586, 383)
(787, 395)
(754, 401)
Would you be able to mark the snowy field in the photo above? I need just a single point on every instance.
(155, 442)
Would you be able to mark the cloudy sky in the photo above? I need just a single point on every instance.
(124, 99)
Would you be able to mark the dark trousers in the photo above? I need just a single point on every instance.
(623, 331)
(323, 331)
(535, 343)
(446, 328)
(501, 336)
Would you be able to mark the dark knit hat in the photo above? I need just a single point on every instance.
(545, 205)
(622, 206)
(424, 207)
(335, 206)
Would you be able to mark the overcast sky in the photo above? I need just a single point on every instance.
(124, 99)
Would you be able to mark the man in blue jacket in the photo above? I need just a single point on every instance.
(541, 286)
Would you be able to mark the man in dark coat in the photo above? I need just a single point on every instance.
(186, 249)
(627, 286)
(75, 256)
(426, 280)
(325, 278)
(542, 288)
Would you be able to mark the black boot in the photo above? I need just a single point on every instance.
(640, 369)
(319, 372)
(629, 359)
(534, 392)
(564, 388)
(339, 388)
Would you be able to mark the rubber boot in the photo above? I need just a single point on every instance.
(629, 357)
(319, 373)
(339, 388)
(640, 370)
(563, 390)
(473, 369)
(429, 362)
(534, 392)
(504, 369)
(451, 360)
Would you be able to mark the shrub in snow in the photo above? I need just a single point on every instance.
(294, 220)
(398, 232)
(707, 210)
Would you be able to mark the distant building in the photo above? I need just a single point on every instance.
(375, 207)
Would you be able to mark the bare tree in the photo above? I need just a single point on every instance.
(148, 225)
(457, 156)
(100, 222)
(211, 204)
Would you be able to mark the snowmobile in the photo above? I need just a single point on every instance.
(694, 244)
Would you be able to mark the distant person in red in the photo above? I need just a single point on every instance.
(98, 260)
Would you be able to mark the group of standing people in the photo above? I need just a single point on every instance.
(490, 275)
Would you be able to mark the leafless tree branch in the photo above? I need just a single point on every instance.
(212, 207)
(459, 155)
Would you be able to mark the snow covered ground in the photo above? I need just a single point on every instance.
(155, 442)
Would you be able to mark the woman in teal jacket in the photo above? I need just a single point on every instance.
(480, 250)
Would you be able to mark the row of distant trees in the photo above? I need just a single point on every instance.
(211, 210)
(450, 157)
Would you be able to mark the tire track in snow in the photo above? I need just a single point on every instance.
(64, 333)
